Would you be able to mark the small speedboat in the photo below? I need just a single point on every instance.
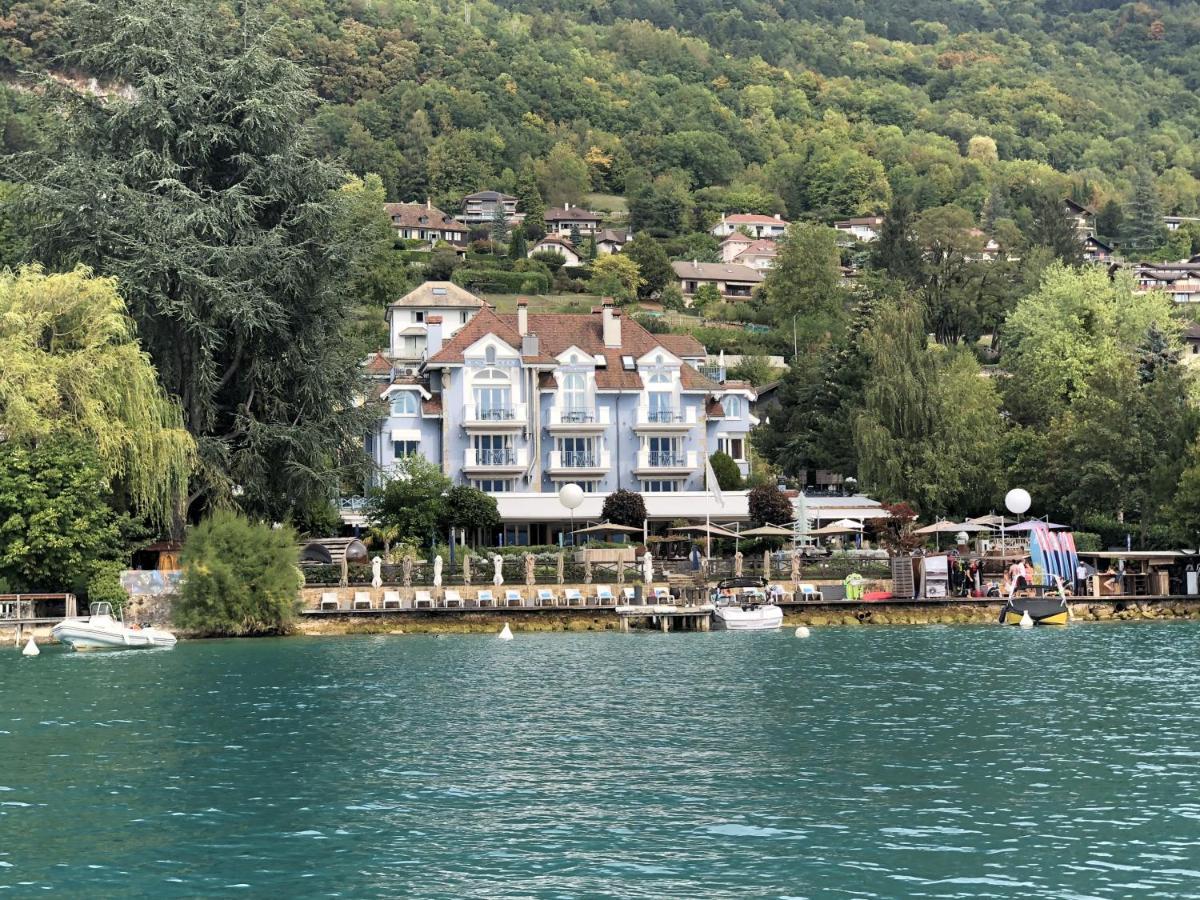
(740, 604)
(1041, 611)
(100, 631)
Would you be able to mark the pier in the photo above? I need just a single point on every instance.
(666, 618)
(34, 613)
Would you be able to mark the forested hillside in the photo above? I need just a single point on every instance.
(811, 108)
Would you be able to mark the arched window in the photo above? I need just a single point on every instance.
(404, 404)
(733, 407)
(489, 356)
(493, 394)
(661, 379)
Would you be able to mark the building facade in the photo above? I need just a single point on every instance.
(425, 222)
(408, 318)
(757, 226)
(562, 220)
(732, 280)
(480, 208)
(519, 404)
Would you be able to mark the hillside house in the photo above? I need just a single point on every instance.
(758, 226)
(408, 317)
(863, 228)
(480, 208)
(561, 246)
(425, 222)
(732, 280)
(759, 255)
(562, 220)
(1082, 217)
(611, 240)
(1095, 250)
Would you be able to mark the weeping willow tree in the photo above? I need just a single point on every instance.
(929, 428)
(72, 367)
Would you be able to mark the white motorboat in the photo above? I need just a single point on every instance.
(100, 631)
(740, 604)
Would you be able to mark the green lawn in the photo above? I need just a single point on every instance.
(606, 203)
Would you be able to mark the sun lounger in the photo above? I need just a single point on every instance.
(485, 598)
(604, 595)
(423, 598)
(453, 598)
(809, 592)
(329, 600)
(513, 598)
(362, 600)
(662, 594)
(628, 594)
(391, 600)
(573, 597)
(546, 597)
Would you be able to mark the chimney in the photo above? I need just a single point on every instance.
(428, 203)
(778, 217)
(522, 317)
(611, 324)
(433, 336)
(695, 264)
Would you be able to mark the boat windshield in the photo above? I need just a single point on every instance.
(101, 609)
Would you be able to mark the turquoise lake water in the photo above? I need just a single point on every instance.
(871, 762)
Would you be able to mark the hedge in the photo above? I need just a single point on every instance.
(500, 282)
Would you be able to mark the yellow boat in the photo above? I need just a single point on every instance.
(1042, 611)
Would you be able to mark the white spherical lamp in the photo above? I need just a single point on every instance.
(1017, 501)
(570, 496)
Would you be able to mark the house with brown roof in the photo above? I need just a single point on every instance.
(755, 225)
(559, 245)
(523, 403)
(480, 208)
(425, 222)
(759, 255)
(732, 280)
(611, 240)
(408, 317)
(561, 220)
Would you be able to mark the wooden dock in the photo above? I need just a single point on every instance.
(666, 618)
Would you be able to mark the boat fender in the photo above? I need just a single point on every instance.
(505, 633)
(802, 631)
(31, 648)
(1026, 622)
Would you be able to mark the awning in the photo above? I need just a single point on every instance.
(607, 528)
(406, 434)
(706, 531)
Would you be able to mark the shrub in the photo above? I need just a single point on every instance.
(768, 504)
(551, 258)
(501, 282)
(104, 584)
(729, 476)
(1087, 541)
(624, 508)
(239, 577)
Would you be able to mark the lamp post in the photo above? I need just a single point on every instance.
(1017, 502)
(571, 496)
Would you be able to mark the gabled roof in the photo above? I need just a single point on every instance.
(557, 332)
(422, 215)
(702, 271)
(440, 294)
(377, 364)
(554, 239)
(571, 214)
(753, 219)
(612, 235)
(761, 247)
(682, 345)
(737, 238)
(1078, 207)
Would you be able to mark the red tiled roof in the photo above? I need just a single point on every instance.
(432, 406)
(558, 332)
(713, 409)
(418, 215)
(763, 247)
(682, 345)
(378, 364)
(753, 219)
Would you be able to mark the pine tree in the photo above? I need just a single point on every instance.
(529, 201)
(198, 188)
(517, 247)
(1054, 230)
(499, 224)
(1144, 230)
(896, 251)
(996, 207)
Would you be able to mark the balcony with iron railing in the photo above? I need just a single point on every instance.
(574, 463)
(507, 417)
(566, 419)
(665, 418)
(657, 462)
(495, 460)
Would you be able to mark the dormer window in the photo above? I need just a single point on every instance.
(733, 407)
(404, 404)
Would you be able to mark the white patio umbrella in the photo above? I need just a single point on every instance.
(648, 568)
(437, 571)
(498, 562)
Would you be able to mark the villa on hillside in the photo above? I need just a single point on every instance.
(1179, 280)
(561, 246)
(732, 280)
(520, 404)
(863, 228)
(425, 222)
(610, 241)
(758, 226)
(1174, 223)
(1095, 250)
(562, 220)
(480, 208)
(1082, 217)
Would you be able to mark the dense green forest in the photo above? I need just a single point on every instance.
(812, 108)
